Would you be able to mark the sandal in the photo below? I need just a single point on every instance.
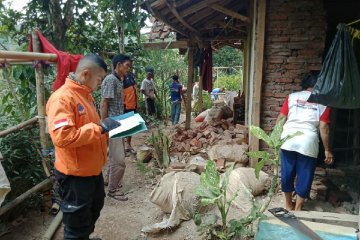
(117, 196)
(130, 150)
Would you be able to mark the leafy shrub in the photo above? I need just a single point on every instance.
(22, 162)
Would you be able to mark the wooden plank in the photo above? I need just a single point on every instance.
(166, 45)
(196, 7)
(18, 127)
(27, 55)
(191, 52)
(347, 220)
(230, 13)
(179, 18)
(259, 61)
(40, 97)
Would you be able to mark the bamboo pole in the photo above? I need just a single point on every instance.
(40, 94)
(189, 86)
(19, 126)
(53, 226)
(13, 55)
(23, 196)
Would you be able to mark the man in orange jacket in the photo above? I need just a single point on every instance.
(80, 144)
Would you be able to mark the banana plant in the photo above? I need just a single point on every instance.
(274, 141)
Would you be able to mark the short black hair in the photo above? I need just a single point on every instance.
(90, 59)
(120, 58)
(309, 80)
(175, 78)
(149, 70)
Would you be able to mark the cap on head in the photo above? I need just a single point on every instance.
(120, 58)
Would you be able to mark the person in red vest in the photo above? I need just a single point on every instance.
(299, 154)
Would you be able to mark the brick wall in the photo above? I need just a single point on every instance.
(294, 45)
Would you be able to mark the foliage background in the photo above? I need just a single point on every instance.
(80, 26)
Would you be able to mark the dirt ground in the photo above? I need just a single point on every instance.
(124, 220)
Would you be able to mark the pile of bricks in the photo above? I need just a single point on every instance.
(325, 190)
(208, 134)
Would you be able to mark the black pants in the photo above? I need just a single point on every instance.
(151, 106)
(82, 201)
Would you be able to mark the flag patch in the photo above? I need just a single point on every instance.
(81, 109)
(60, 123)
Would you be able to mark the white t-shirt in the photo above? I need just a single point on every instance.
(305, 117)
(149, 88)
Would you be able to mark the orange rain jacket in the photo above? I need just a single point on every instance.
(80, 148)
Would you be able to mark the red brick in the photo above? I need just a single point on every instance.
(282, 95)
(280, 39)
(275, 60)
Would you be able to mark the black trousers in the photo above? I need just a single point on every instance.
(151, 106)
(82, 201)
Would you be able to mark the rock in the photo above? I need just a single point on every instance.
(187, 147)
(144, 154)
(220, 164)
(320, 172)
(174, 158)
(231, 153)
(197, 163)
(196, 143)
(177, 165)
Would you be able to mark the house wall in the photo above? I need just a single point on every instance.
(294, 45)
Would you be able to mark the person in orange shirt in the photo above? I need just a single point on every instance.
(80, 144)
(130, 103)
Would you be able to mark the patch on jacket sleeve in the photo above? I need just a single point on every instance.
(61, 123)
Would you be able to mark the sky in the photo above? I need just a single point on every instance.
(20, 4)
(17, 4)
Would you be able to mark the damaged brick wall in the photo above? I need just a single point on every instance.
(294, 45)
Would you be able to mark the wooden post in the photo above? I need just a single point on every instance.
(200, 94)
(189, 86)
(40, 95)
(259, 58)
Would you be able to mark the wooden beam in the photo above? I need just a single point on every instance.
(166, 45)
(158, 3)
(18, 127)
(195, 8)
(27, 55)
(229, 12)
(40, 97)
(179, 18)
(158, 15)
(25, 195)
(259, 65)
(204, 17)
(191, 53)
(224, 38)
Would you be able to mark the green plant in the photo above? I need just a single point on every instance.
(161, 144)
(206, 104)
(274, 142)
(212, 190)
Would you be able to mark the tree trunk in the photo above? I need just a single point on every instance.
(59, 24)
